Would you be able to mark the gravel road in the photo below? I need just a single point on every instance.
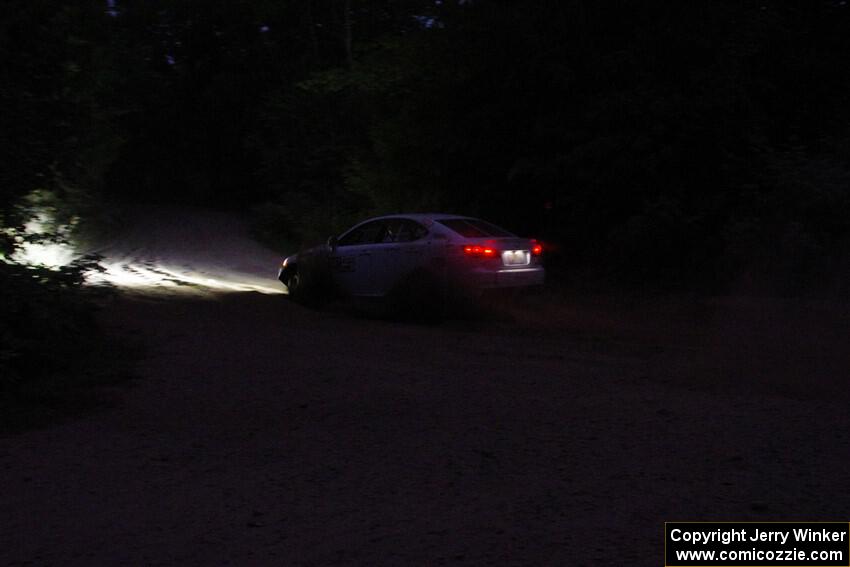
(262, 433)
(186, 251)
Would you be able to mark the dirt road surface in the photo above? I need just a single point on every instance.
(186, 250)
(262, 433)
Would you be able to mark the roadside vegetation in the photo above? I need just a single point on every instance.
(652, 146)
(55, 146)
(664, 147)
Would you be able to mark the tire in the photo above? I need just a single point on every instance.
(308, 290)
(294, 285)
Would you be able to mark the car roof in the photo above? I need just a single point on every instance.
(422, 216)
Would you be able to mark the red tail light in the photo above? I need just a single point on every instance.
(480, 251)
(536, 248)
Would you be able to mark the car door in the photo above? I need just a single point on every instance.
(402, 249)
(351, 260)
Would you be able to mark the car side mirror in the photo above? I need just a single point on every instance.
(332, 242)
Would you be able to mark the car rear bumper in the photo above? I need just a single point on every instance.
(508, 277)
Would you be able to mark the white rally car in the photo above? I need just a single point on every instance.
(382, 255)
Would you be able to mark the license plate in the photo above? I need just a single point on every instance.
(516, 257)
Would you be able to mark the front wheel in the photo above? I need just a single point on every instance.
(293, 285)
(308, 289)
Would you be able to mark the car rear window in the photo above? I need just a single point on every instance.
(474, 228)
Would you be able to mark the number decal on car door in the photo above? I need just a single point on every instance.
(342, 263)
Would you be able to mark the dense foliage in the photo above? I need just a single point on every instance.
(55, 140)
(698, 145)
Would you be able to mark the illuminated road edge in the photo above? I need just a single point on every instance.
(146, 274)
